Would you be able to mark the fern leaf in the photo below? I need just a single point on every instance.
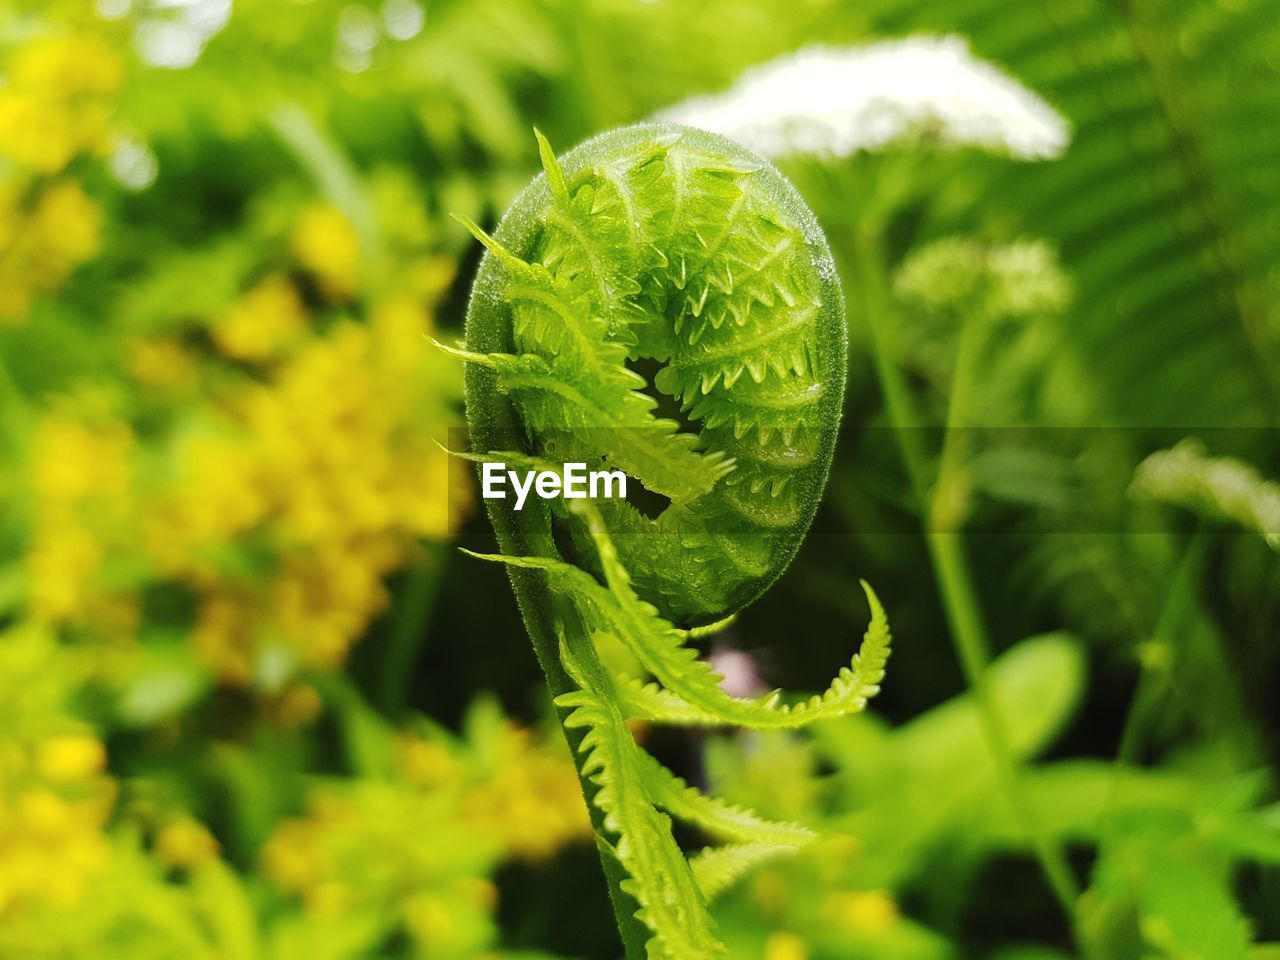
(660, 877)
(655, 704)
(717, 868)
(718, 818)
(661, 648)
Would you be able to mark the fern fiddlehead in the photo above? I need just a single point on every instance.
(662, 249)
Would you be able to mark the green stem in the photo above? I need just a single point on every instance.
(528, 534)
(1154, 681)
(494, 425)
(417, 600)
(948, 501)
(1151, 679)
(537, 602)
(946, 553)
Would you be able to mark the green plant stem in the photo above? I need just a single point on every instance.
(1156, 680)
(417, 599)
(1151, 679)
(528, 534)
(946, 553)
(494, 425)
(1152, 685)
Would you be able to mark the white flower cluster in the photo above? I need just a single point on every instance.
(1222, 486)
(1019, 279)
(830, 102)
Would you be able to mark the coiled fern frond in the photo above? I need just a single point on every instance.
(663, 303)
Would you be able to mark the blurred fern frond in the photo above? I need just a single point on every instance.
(1162, 211)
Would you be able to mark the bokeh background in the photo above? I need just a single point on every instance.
(255, 704)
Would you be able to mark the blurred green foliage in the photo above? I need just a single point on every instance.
(228, 607)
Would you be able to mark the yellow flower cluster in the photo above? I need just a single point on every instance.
(867, 912)
(531, 802)
(324, 462)
(822, 904)
(42, 239)
(325, 244)
(264, 320)
(56, 101)
(422, 841)
(273, 458)
(785, 946)
(328, 458)
(80, 481)
(54, 799)
(185, 844)
(51, 835)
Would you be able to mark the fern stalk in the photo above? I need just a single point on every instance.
(520, 534)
